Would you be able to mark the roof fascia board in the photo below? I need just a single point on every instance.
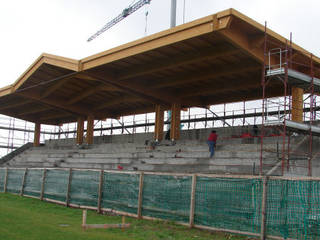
(271, 33)
(58, 61)
(177, 34)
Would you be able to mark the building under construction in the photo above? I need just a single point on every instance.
(220, 59)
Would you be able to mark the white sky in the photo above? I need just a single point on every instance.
(61, 27)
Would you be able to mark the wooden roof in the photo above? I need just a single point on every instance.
(212, 60)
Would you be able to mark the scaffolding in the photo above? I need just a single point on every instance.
(283, 71)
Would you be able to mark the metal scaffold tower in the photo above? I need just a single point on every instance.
(285, 123)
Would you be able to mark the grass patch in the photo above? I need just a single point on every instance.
(31, 219)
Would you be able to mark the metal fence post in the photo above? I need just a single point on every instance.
(43, 183)
(23, 181)
(139, 213)
(192, 201)
(263, 208)
(68, 187)
(5, 181)
(100, 191)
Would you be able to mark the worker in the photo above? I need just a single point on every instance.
(212, 140)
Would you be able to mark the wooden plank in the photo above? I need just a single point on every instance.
(5, 181)
(140, 196)
(227, 230)
(23, 181)
(100, 190)
(69, 187)
(44, 174)
(263, 208)
(106, 226)
(192, 201)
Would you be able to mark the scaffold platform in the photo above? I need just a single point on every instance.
(295, 126)
(295, 78)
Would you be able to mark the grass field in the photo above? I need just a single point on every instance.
(23, 218)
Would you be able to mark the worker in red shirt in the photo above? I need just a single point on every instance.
(212, 139)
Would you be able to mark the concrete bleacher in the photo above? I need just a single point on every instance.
(135, 153)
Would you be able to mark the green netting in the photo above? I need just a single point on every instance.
(120, 192)
(2, 177)
(15, 177)
(33, 181)
(167, 197)
(84, 188)
(229, 203)
(293, 209)
(56, 184)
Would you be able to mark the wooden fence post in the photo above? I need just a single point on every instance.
(23, 181)
(263, 208)
(140, 195)
(100, 191)
(43, 183)
(192, 201)
(68, 187)
(5, 181)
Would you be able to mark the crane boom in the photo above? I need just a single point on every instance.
(125, 13)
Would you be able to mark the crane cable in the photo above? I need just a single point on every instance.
(146, 19)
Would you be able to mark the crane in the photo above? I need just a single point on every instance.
(125, 13)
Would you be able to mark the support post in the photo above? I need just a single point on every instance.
(263, 208)
(80, 129)
(140, 197)
(192, 201)
(69, 187)
(23, 181)
(158, 129)
(297, 104)
(100, 191)
(84, 218)
(175, 122)
(90, 122)
(43, 183)
(5, 181)
(37, 129)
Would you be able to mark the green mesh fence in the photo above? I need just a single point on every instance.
(2, 177)
(15, 177)
(120, 192)
(292, 206)
(33, 181)
(56, 184)
(84, 188)
(229, 203)
(293, 209)
(167, 197)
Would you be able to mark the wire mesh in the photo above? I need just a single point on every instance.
(14, 182)
(56, 184)
(2, 178)
(33, 180)
(120, 192)
(229, 203)
(84, 188)
(167, 197)
(293, 209)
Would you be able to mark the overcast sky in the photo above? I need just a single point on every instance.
(61, 27)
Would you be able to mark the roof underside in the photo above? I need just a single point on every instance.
(217, 59)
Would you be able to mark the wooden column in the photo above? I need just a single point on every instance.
(175, 121)
(158, 129)
(90, 122)
(297, 104)
(37, 129)
(80, 129)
